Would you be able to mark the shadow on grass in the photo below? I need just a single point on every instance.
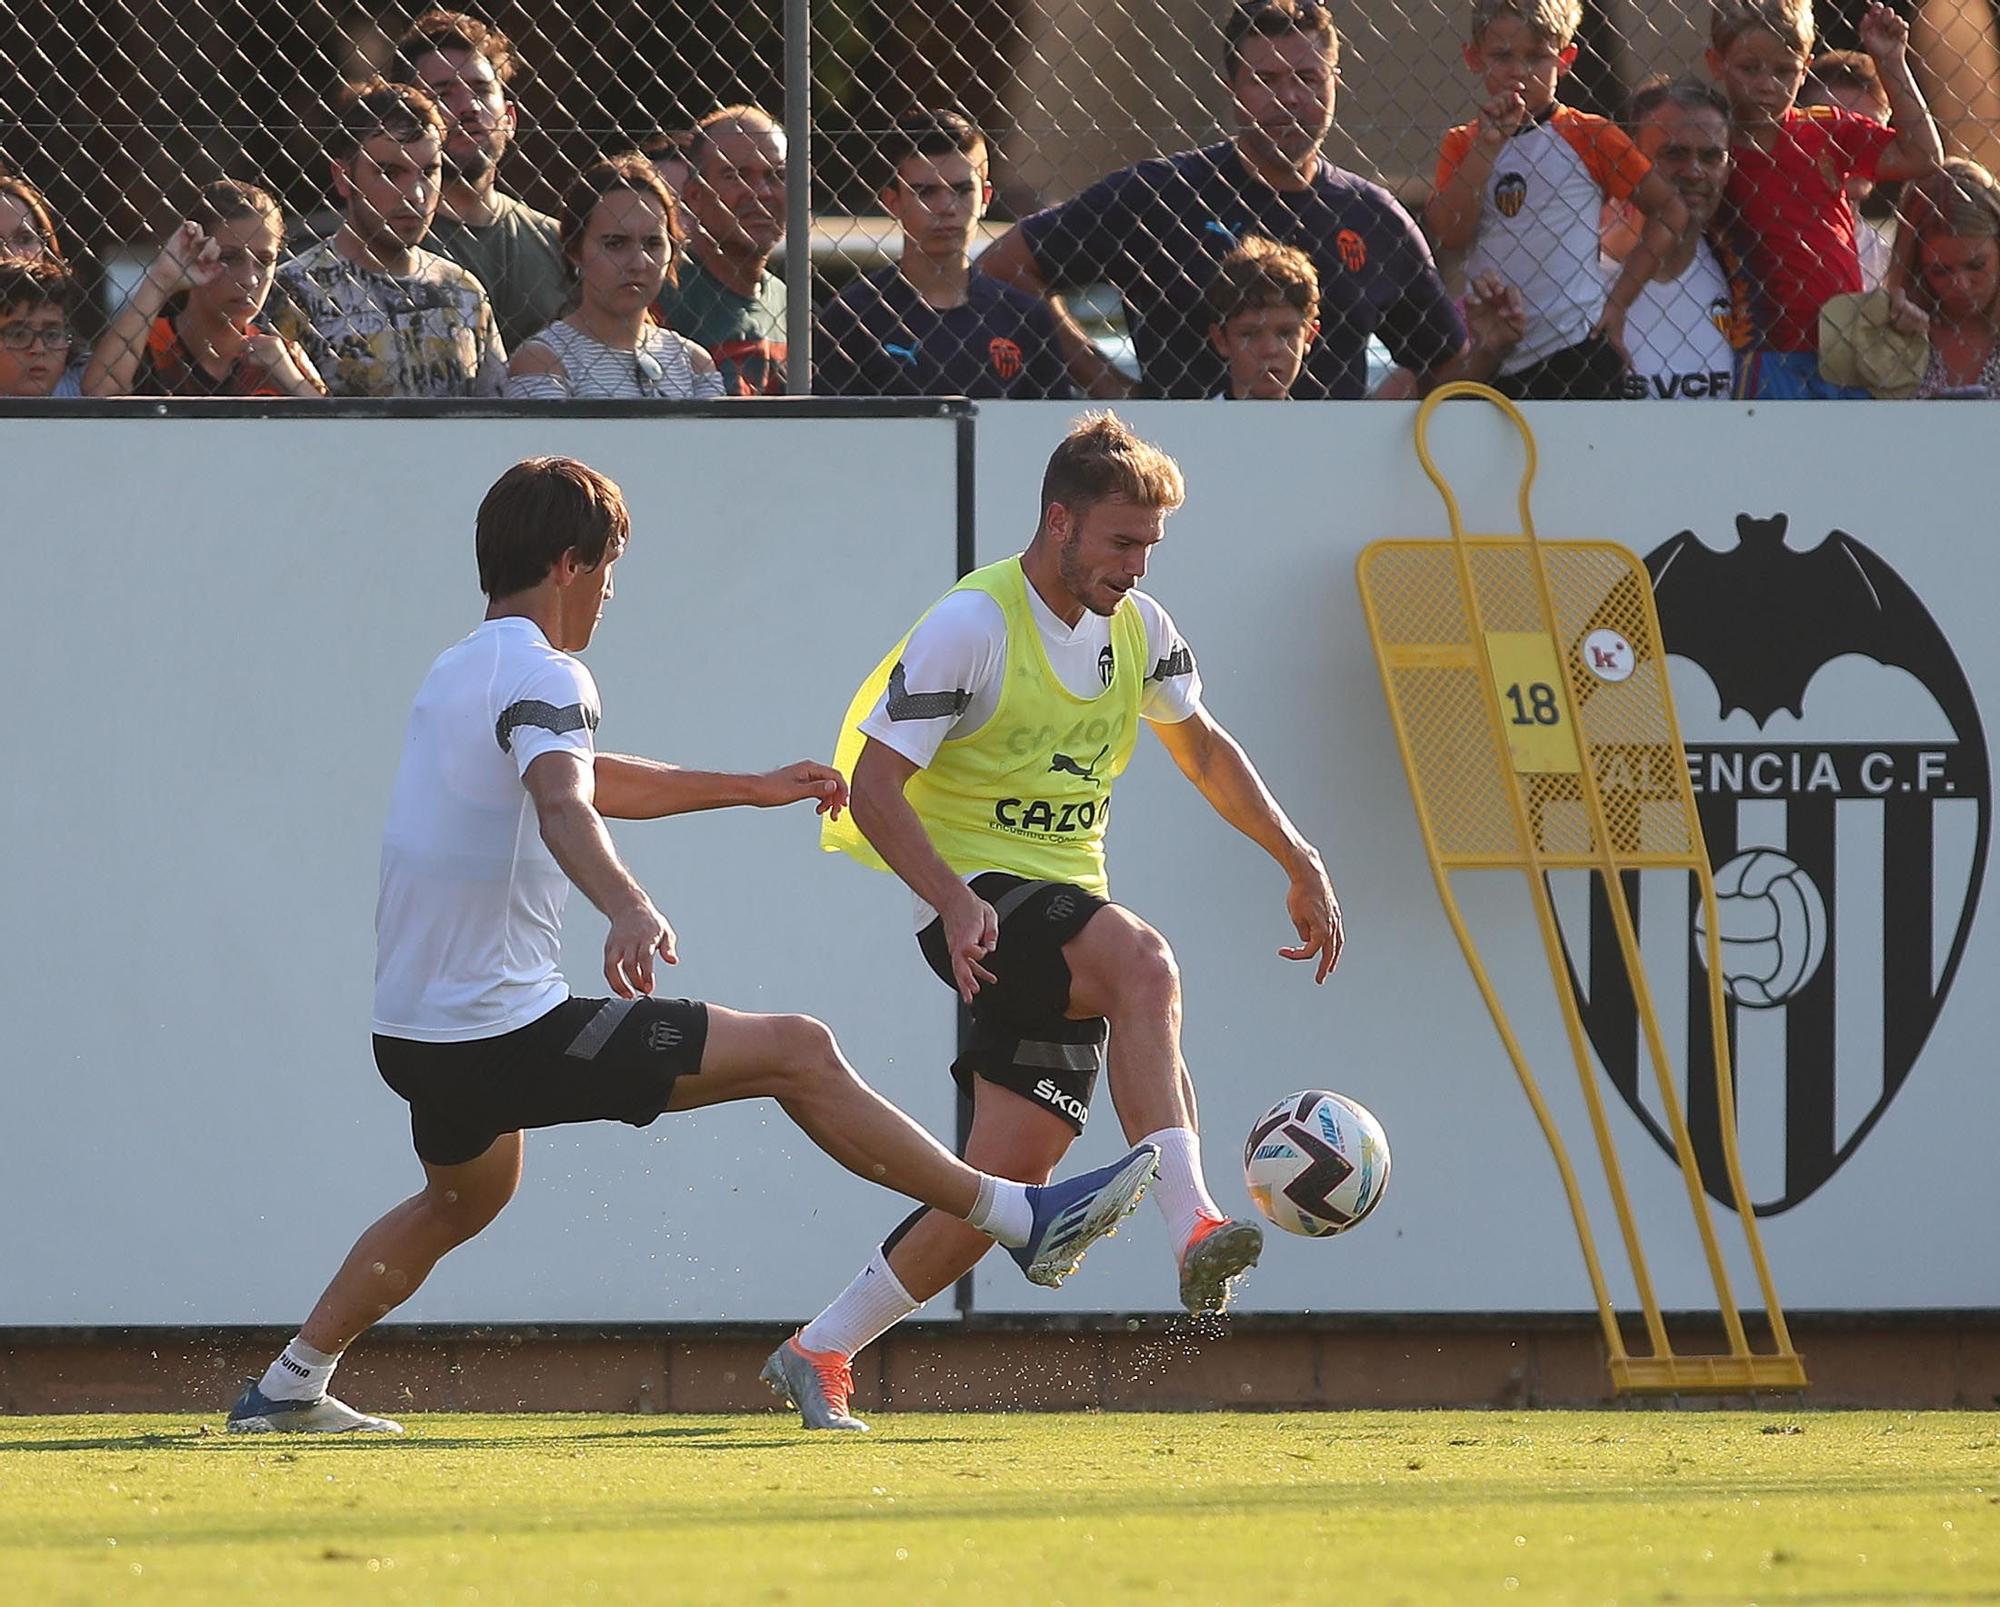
(707, 1438)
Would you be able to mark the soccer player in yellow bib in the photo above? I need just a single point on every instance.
(983, 751)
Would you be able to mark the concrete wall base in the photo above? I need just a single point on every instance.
(1896, 1359)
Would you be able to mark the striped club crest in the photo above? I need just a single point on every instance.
(1840, 770)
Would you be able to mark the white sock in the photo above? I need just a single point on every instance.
(1179, 1191)
(862, 1313)
(300, 1374)
(1002, 1211)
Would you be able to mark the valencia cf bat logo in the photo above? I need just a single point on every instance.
(1840, 770)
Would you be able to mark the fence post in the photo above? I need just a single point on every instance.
(798, 199)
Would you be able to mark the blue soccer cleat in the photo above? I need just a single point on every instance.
(1073, 1214)
(256, 1413)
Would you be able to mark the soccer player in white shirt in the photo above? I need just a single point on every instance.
(499, 805)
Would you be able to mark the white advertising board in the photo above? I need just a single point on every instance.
(220, 624)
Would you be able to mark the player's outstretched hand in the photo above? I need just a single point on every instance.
(826, 786)
(635, 937)
(1315, 912)
(971, 928)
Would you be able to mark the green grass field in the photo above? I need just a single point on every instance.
(1369, 1507)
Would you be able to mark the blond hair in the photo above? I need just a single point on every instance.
(1790, 20)
(1554, 22)
(1960, 200)
(1100, 458)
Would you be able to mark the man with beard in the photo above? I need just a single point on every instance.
(1159, 231)
(984, 751)
(377, 314)
(509, 247)
(1680, 329)
(726, 300)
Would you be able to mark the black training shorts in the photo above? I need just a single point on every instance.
(1022, 1037)
(587, 1060)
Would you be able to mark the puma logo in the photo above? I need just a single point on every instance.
(1065, 765)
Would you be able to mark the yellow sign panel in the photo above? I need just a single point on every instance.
(1528, 677)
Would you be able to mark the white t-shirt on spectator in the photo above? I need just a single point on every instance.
(468, 922)
(1678, 335)
(961, 647)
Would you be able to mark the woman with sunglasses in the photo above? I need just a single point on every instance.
(620, 228)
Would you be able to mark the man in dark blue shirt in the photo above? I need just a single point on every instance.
(1159, 231)
(929, 326)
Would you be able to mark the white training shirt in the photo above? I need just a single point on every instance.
(960, 648)
(468, 922)
(1678, 335)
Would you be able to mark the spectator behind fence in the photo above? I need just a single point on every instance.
(27, 226)
(192, 326)
(1523, 191)
(1953, 219)
(513, 251)
(1848, 79)
(1794, 226)
(668, 153)
(1158, 231)
(35, 297)
(377, 314)
(927, 325)
(727, 300)
(1263, 308)
(620, 233)
(1689, 318)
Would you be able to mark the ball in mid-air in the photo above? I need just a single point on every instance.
(1316, 1163)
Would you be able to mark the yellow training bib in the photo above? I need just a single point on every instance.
(1030, 790)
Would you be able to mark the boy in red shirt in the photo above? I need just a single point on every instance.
(1793, 222)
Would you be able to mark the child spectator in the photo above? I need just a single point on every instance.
(620, 233)
(192, 328)
(1848, 79)
(35, 296)
(1264, 309)
(1794, 224)
(1953, 219)
(377, 314)
(1524, 188)
(927, 325)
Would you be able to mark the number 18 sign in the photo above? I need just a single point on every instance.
(1526, 674)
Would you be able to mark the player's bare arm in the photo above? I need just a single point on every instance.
(893, 827)
(563, 787)
(1222, 772)
(630, 788)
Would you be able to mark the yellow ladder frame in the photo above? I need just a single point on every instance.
(1741, 1370)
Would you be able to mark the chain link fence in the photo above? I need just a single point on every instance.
(114, 118)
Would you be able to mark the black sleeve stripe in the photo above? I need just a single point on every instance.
(533, 711)
(907, 705)
(1179, 662)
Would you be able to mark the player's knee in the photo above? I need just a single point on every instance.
(1149, 976)
(809, 1056)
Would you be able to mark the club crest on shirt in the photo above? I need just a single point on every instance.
(1353, 250)
(1005, 355)
(1510, 194)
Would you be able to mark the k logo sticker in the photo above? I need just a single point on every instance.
(1840, 771)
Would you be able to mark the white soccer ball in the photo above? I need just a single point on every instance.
(1771, 925)
(1316, 1163)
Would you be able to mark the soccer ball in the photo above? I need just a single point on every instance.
(1771, 925)
(1316, 1163)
